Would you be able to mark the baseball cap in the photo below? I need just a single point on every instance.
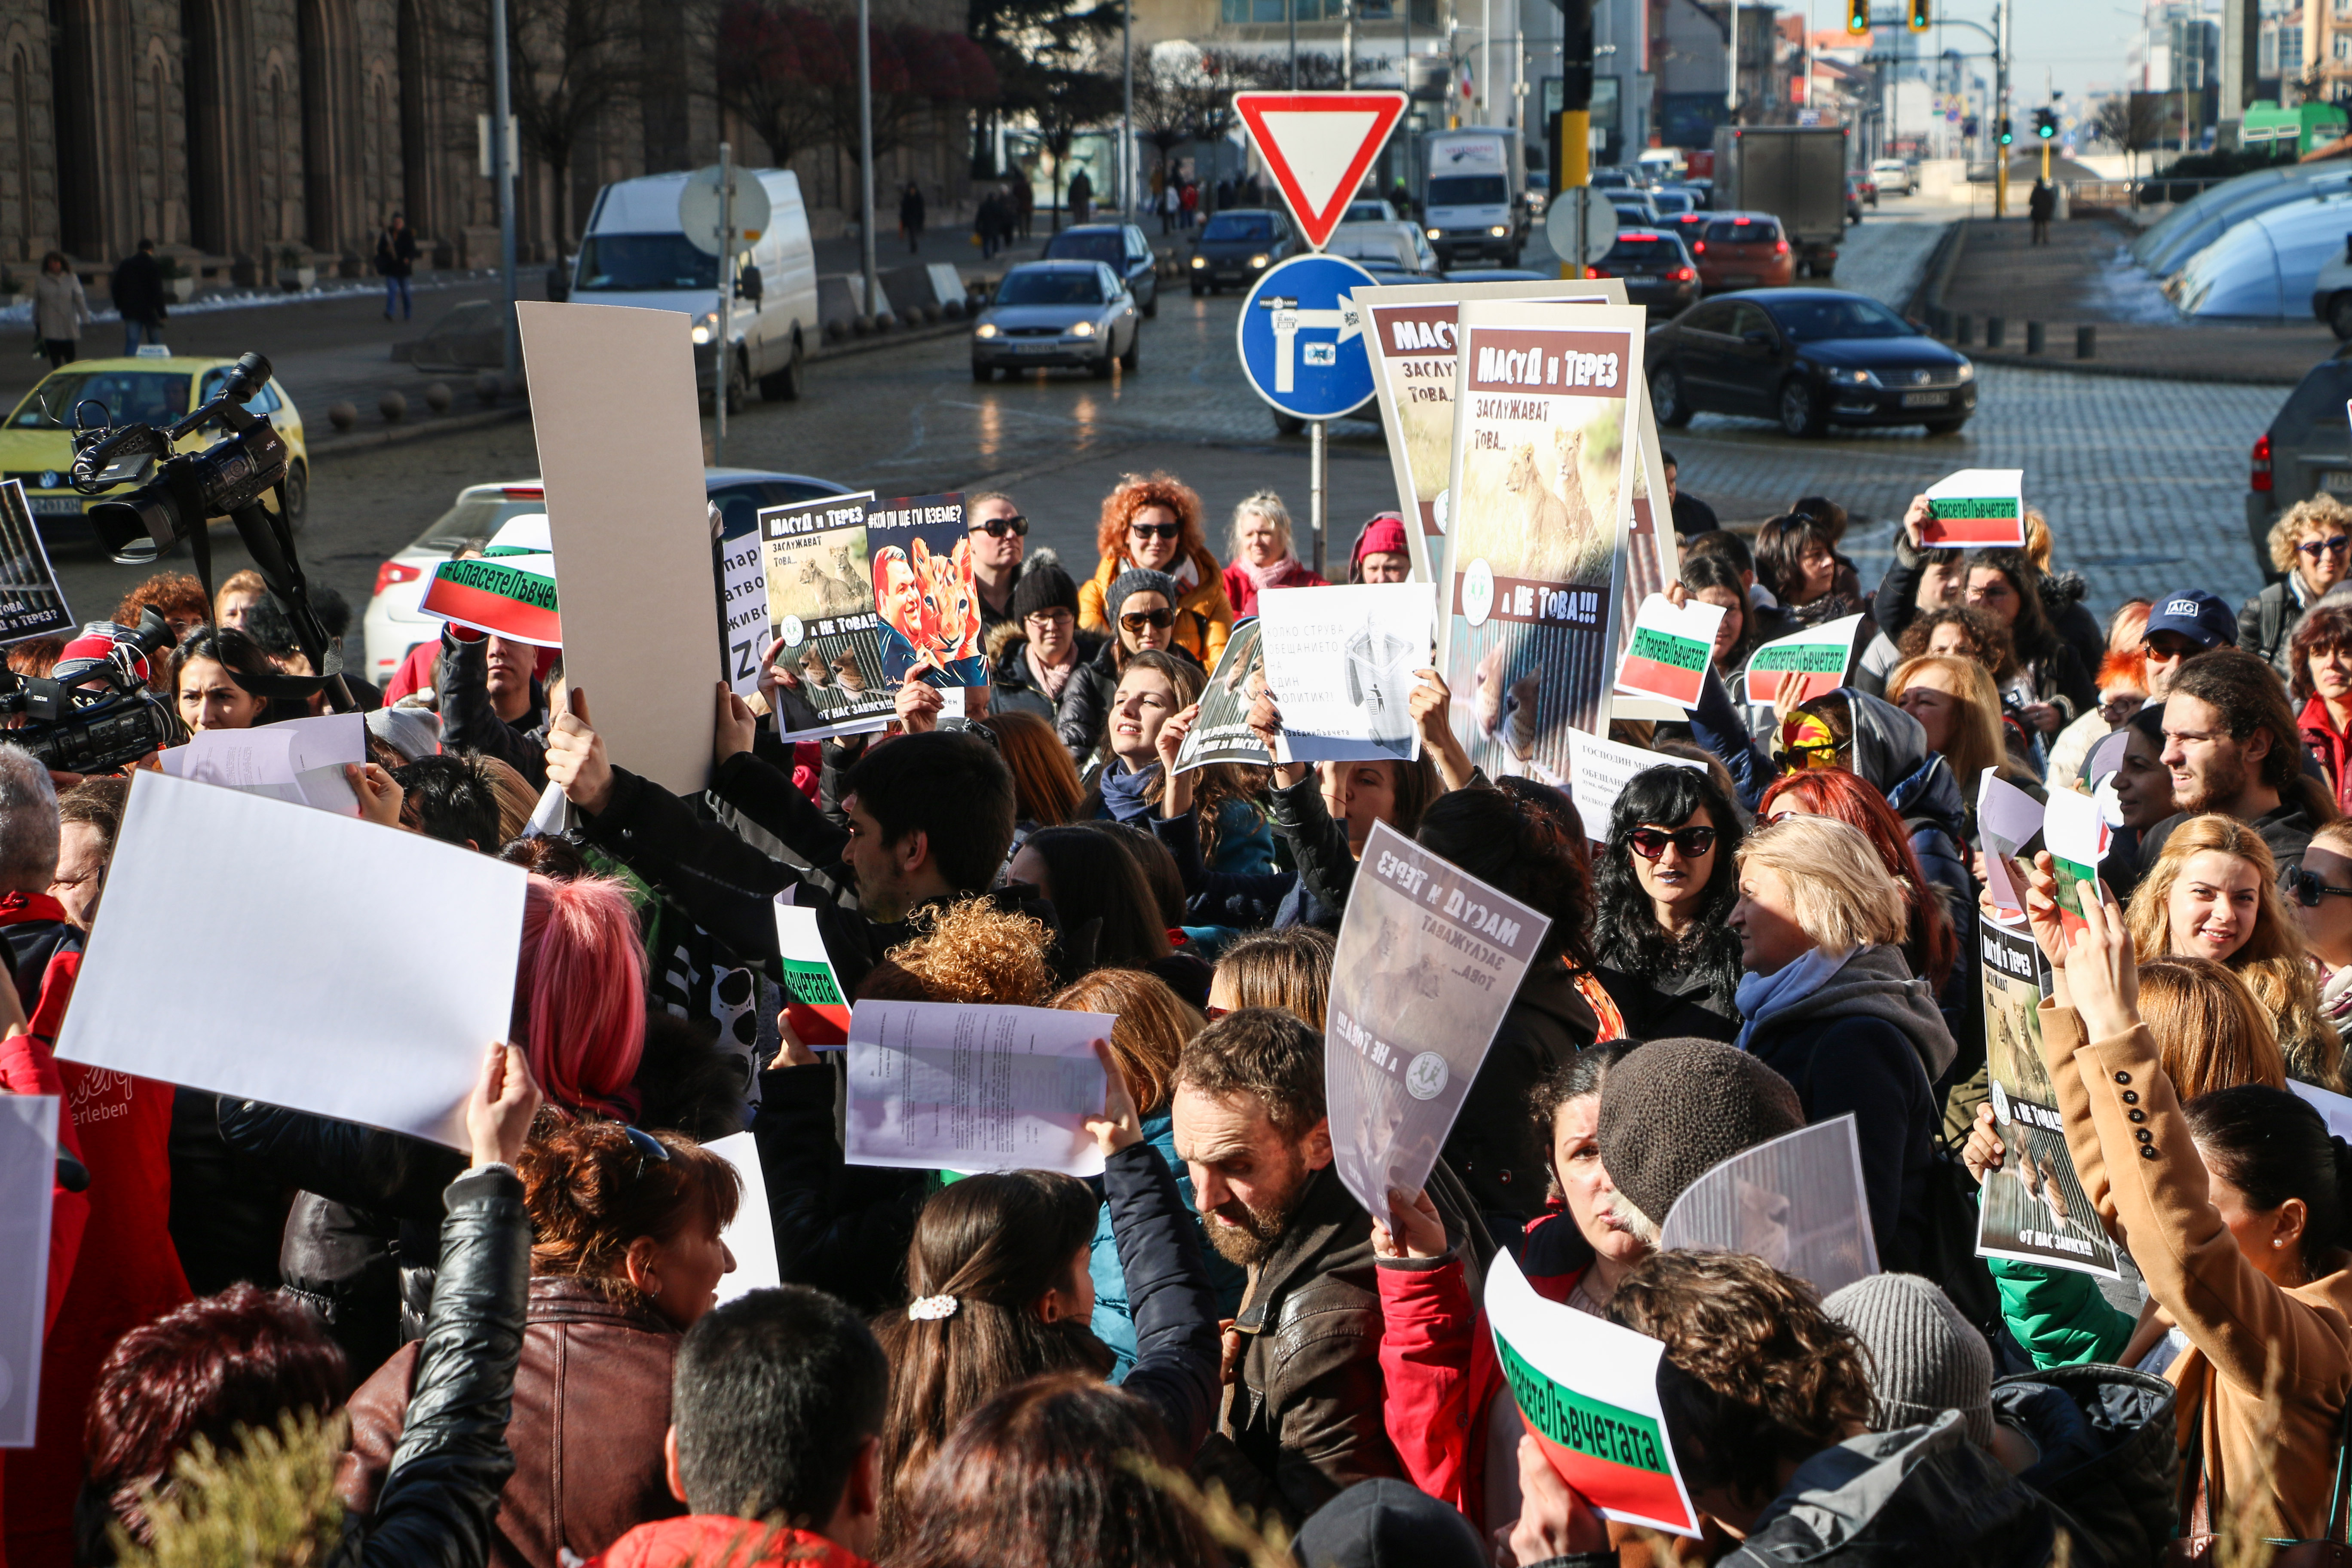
(2195, 614)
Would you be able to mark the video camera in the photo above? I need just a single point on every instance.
(187, 490)
(94, 713)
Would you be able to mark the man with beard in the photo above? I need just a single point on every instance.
(1302, 1422)
(2231, 746)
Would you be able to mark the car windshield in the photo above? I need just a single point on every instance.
(643, 263)
(1814, 319)
(1468, 191)
(2317, 405)
(1109, 248)
(1671, 202)
(1369, 212)
(473, 519)
(1239, 227)
(1050, 286)
(1646, 249)
(1743, 231)
(130, 397)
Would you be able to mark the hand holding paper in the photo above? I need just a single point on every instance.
(2100, 973)
(734, 729)
(498, 1111)
(575, 758)
(1120, 1125)
(1554, 1519)
(1672, 647)
(1974, 508)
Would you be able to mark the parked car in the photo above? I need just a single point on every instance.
(1891, 175)
(1498, 275)
(1399, 246)
(2303, 454)
(1809, 358)
(1372, 210)
(154, 388)
(2269, 266)
(2180, 234)
(394, 625)
(1238, 244)
(1657, 270)
(1119, 247)
(1743, 251)
(1865, 187)
(1672, 203)
(1853, 198)
(1635, 210)
(1075, 313)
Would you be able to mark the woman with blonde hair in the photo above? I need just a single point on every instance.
(2311, 549)
(1153, 1023)
(2214, 893)
(1289, 968)
(1262, 554)
(1152, 523)
(1956, 703)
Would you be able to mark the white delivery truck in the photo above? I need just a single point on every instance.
(635, 254)
(1474, 193)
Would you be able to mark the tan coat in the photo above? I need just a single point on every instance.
(1204, 639)
(2249, 1338)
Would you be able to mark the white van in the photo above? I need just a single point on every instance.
(635, 254)
(1474, 193)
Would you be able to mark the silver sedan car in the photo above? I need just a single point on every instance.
(1058, 313)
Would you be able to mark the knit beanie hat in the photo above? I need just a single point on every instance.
(1139, 580)
(1043, 586)
(1384, 535)
(1673, 1109)
(1925, 1358)
(414, 732)
(1388, 1524)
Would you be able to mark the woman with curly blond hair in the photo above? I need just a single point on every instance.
(1151, 522)
(2311, 549)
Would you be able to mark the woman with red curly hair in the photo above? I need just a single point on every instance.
(1152, 522)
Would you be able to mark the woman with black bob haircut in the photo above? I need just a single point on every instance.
(2049, 686)
(1666, 883)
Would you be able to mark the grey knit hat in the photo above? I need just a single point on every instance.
(414, 732)
(1139, 580)
(1673, 1109)
(1925, 1358)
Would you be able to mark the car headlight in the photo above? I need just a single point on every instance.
(1498, 231)
(1853, 378)
(1082, 330)
(705, 327)
(986, 329)
(1437, 233)
(1199, 261)
(1968, 370)
(1259, 260)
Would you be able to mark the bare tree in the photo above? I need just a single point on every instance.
(774, 63)
(2131, 122)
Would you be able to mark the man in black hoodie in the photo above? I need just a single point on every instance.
(137, 289)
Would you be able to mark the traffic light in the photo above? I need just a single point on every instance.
(2045, 123)
(2006, 137)
(1918, 17)
(1857, 17)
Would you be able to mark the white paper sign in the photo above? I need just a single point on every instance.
(1341, 662)
(1796, 1202)
(752, 1237)
(946, 1086)
(2334, 1108)
(311, 1023)
(28, 1173)
(1599, 770)
(744, 632)
(299, 760)
(2007, 820)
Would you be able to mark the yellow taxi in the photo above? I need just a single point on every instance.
(149, 389)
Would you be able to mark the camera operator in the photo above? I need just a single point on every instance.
(491, 701)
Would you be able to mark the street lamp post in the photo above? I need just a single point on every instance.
(503, 174)
(866, 158)
(1126, 113)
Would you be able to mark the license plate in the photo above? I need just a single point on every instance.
(1740, 281)
(1035, 348)
(2333, 479)
(55, 506)
(1925, 399)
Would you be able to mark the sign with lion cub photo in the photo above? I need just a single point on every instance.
(1544, 450)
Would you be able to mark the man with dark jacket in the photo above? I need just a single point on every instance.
(492, 702)
(2233, 746)
(395, 260)
(1302, 1419)
(138, 292)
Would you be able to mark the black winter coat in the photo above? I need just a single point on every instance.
(2108, 1444)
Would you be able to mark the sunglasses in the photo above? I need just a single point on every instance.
(2307, 888)
(1650, 843)
(1160, 620)
(1156, 530)
(998, 527)
(2318, 547)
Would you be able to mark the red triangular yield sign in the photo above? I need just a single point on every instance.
(1317, 145)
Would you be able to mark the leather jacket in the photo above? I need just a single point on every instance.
(591, 1404)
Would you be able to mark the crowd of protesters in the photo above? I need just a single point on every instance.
(277, 1338)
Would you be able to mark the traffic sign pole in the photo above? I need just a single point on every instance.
(721, 351)
(1319, 475)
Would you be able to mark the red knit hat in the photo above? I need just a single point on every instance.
(1384, 535)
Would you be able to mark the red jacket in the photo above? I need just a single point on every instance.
(1437, 1361)
(1241, 588)
(26, 1067)
(722, 1541)
(2332, 748)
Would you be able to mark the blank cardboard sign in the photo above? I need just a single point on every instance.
(614, 408)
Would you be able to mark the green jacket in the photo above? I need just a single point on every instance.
(2058, 1315)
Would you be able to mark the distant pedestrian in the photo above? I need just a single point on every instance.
(910, 216)
(1171, 203)
(2040, 206)
(59, 309)
(137, 288)
(1025, 206)
(1225, 194)
(1082, 197)
(395, 260)
(1189, 200)
(988, 224)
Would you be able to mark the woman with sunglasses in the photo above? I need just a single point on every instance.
(1151, 522)
(1663, 885)
(2311, 548)
(2320, 890)
(1262, 555)
(2319, 657)
(998, 535)
(626, 1254)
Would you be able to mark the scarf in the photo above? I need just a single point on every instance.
(1274, 576)
(1762, 996)
(1050, 677)
(1187, 574)
(1126, 791)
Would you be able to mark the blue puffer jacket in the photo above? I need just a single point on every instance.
(1111, 1322)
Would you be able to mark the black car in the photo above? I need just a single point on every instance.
(1238, 244)
(1658, 272)
(1809, 358)
(1118, 246)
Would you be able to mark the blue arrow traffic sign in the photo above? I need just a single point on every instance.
(1302, 341)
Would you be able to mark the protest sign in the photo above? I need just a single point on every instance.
(2033, 1209)
(1819, 655)
(1341, 662)
(1408, 335)
(28, 1174)
(296, 760)
(2008, 819)
(1429, 958)
(1649, 560)
(512, 597)
(287, 1030)
(818, 1010)
(2077, 838)
(2334, 1108)
(1542, 458)
(31, 603)
(821, 602)
(1797, 1202)
(1668, 654)
(1976, 508)
(1222, 733)
(1599, 771)
(946, 1086)
(1587, 1390)
(740, 564)
(923, 591)
(613, 410)
(751, 1238)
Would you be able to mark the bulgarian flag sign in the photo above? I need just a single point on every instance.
(1668, 656)
(1588, 1392)
(2077, 837)
(508, 590)
(818, 1011)
(1976, 507)
(1819, 655)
